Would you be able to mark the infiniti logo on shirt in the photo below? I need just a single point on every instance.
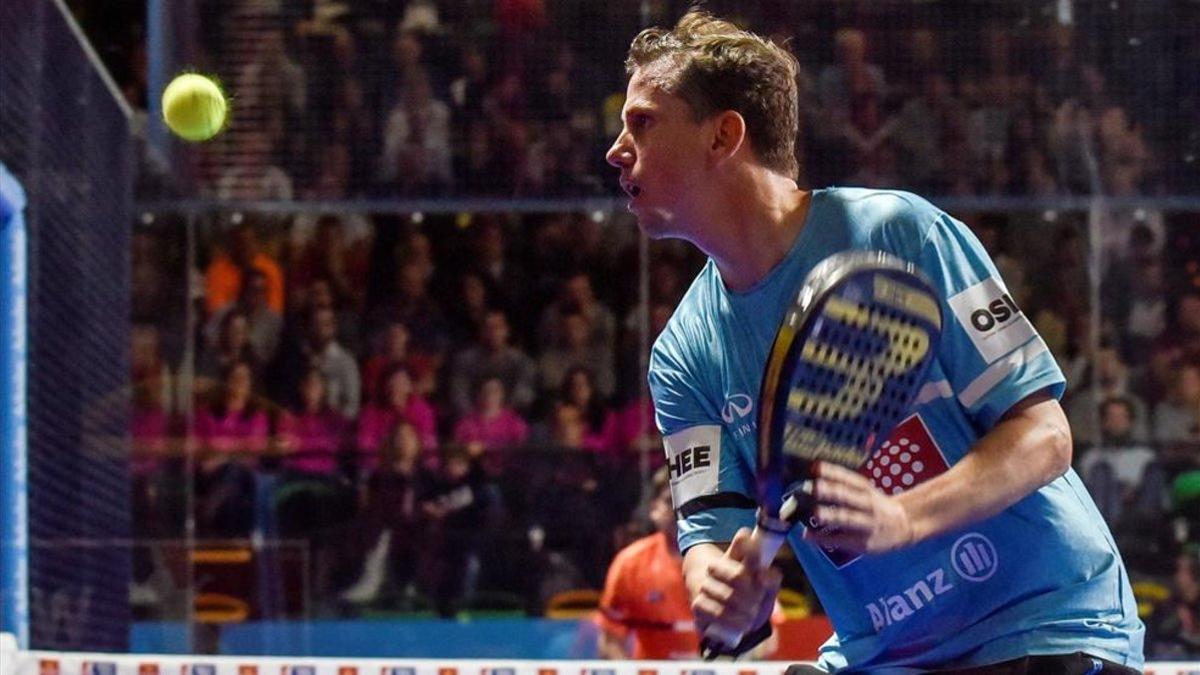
(736, 406)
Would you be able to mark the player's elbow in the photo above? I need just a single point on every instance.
(1052, 442)
(1059, 448)
(1045, 439)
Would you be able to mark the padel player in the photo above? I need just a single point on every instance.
(967, 541)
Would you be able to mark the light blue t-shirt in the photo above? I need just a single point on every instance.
(1042, 577)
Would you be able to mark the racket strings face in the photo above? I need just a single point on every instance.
(855, 375)
(843, 371)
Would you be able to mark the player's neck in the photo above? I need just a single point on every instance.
(757, 229)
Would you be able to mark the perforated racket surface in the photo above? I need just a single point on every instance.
(845, 368)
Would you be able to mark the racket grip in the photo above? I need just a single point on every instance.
(769, 544)
(721, 642)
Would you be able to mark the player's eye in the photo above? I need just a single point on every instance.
(638, 121)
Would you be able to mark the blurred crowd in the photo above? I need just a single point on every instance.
(338, 100)
(450, 410)
(384, 389)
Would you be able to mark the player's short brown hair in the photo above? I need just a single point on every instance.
(715, 66)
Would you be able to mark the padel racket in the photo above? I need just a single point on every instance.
(845, 368)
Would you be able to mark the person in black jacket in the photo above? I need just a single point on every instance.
(456, 509)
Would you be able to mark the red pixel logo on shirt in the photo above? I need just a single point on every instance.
(908, 457)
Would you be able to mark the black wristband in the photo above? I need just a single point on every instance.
(711, 649)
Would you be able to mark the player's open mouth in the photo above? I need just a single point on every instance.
(630, 189)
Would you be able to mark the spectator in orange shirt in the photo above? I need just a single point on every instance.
(223, 278)
(645, 611)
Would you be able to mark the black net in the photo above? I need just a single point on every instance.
(67, 139)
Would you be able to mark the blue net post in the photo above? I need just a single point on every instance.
(14, 522)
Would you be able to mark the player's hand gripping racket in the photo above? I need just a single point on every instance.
(844, 370)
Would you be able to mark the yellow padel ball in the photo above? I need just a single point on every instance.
(194, 107)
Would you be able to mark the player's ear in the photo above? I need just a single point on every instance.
(728, 135)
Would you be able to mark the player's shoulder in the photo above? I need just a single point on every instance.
(881, 218)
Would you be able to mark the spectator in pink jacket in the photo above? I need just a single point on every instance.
(234, 427)
(231, 433)
(579, 390)
(630, 430)
(491, 425)
(313, 434)
(395, 400)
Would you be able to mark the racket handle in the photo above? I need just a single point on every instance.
(768, 543)
(718, 641)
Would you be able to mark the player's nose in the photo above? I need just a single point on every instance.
(620, 154)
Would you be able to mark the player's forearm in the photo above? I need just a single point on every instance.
(1024, 451)
(695, 565)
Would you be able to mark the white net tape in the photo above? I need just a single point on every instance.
(13, 662)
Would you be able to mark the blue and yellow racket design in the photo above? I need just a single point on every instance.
(845, 368)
